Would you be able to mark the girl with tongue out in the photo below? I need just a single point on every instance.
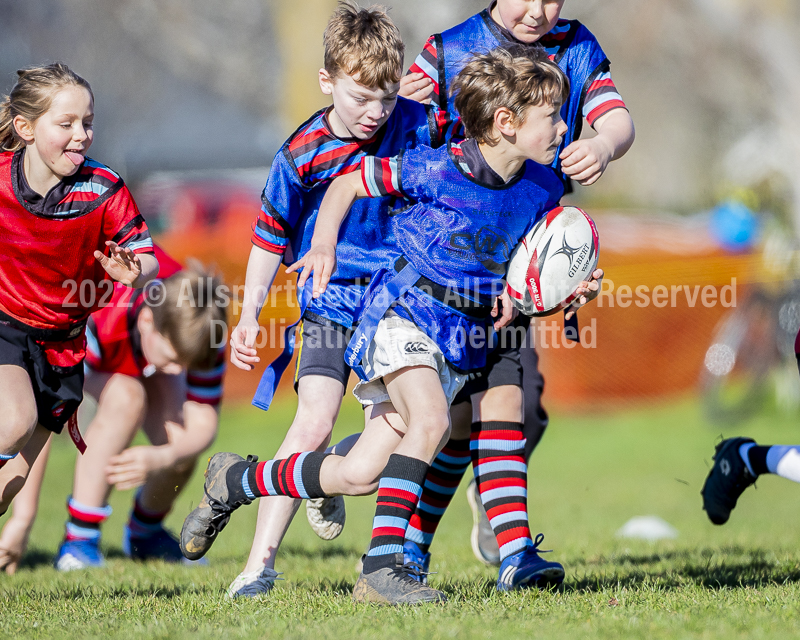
(68, 229)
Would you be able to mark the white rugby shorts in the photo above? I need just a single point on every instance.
(399, 343)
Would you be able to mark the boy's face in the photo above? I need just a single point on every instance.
(527, 20)
(539, 137)
(156, 349)
(358, 111)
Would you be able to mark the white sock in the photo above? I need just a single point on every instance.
(784, 461)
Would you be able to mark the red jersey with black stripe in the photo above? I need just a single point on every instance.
(114, 344)
(48, 252)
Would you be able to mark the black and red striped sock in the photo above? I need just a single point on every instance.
(398, 493)
(296, 476)
(501, 474)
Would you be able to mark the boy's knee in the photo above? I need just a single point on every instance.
(434, 425)
(359, 481)
(309, 435)
(16, 425)
(134, 397)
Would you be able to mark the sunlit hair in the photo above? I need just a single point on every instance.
(191, 313)
(364, 44)
(515, 78)
(32, 96)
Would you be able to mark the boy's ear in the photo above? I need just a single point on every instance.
(504, 122)
(23, 128)
(325, 82)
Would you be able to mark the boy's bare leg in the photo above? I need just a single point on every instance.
(358, 473)
(319, 399)
(164, 423)
(121, 406)
(17, 530)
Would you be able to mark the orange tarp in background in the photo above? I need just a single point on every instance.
(636, 353)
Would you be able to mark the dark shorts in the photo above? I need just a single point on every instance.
(57, 390)
(320, 350)
(515, 363)
(503, 366)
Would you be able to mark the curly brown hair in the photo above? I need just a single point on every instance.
(514, 78)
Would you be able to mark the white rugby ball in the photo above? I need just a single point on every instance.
(551, 261)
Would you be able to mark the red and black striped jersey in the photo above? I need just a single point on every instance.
(114, 344)
(49, 276)
(314, 154)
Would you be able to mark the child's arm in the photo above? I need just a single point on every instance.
(125, 266)
(585, 160)
(262, 266)
(132, 467)
(17, 530)
(321, 258)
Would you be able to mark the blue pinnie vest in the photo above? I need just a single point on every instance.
(570, 45)
(362, 246)
(452, 244)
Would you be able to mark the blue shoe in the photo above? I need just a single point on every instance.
(417, 562)
(79, 554)
(160, 545)
(526, 569)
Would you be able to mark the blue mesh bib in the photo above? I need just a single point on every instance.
(459, 234)
(576, 52)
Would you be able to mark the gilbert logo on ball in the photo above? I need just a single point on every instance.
(551, 261)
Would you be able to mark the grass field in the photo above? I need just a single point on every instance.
(588, 477)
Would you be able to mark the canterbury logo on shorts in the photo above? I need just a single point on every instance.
(416, 347)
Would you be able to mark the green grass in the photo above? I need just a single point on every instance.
(589, 476)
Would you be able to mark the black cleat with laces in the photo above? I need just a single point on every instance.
(726, 481)
(202, 525)
(394, 585)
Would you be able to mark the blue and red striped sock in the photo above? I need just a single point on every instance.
(498, 460)
(398, 493)
(296, 476)
(84, 521)
(440, 486)
(144, 522)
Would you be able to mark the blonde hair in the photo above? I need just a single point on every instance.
(191, 313)
(364, 44)
(32, 96)
(515, 78)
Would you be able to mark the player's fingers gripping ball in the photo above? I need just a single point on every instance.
(553, 263)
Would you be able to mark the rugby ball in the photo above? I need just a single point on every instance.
(551, 261)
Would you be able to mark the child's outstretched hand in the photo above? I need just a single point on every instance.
(417, 87)
(588, 290)
(122, 264)
(319, 261)
(585, 160)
